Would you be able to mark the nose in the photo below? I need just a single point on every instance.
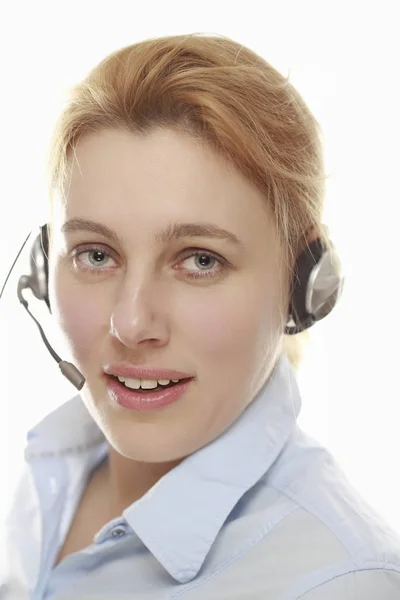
(136, 318)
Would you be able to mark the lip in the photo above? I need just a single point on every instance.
(131, 372)
(131, 400)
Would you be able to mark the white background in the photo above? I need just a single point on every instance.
(343, 57)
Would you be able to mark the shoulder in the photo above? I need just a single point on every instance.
(347, 549)
(368, 584)
(272, 548)
(23, 520)
(20, 535)
(24, 499)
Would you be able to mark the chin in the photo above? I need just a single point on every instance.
(143, 450)
(145, 441)
(141, 436)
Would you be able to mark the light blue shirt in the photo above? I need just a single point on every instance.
(262, 512)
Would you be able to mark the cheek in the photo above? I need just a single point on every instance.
(80, 317)
(236, 324)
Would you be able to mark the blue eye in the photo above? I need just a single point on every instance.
(97, 259)
(207, 271)
(92, 258)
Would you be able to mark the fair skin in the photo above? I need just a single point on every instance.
(141, 305)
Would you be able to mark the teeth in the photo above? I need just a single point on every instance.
(145, 384)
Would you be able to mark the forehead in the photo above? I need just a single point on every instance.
(121, 178)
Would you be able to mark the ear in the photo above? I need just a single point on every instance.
(312, 235)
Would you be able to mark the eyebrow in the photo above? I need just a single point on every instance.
(174, 231)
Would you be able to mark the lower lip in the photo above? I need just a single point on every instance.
(132, 400)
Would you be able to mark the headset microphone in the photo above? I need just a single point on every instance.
(67, 369)
(31, 282)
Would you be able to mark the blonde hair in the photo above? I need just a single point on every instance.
(225, 94)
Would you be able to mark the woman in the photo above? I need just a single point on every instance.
(187, 179)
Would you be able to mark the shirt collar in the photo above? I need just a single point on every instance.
(179, 518)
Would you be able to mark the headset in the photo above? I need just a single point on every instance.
(316, 287)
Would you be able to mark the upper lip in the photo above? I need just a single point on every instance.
(131, 372)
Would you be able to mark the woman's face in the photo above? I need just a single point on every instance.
(145, 300)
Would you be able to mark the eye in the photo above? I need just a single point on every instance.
(94, 258)
(202, 259)
(97, 259)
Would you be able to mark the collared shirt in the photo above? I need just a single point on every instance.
(261, 513)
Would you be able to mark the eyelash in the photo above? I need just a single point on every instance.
(191, 253)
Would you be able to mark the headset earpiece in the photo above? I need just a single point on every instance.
(317, 285)
(37, 280)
